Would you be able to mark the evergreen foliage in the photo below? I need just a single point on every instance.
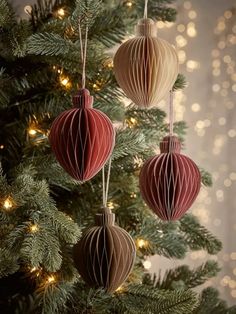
(42, 209)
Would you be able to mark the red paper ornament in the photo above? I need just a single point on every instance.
(170, 182)
(82, 138)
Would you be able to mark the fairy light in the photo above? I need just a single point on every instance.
(110, 205)
(181, 28)
(138, 162)
(192, 14)
(195, 107)
(181, 41)
(129, 4)
(51, 279)
(147, 264)
(110, 64)
(96, 87)
(34, 228)
(120, 289)
(141, 243)
(191, 30)
(182, 56)
(192, 65)
(132, 122)
(32, 132)
(35, 271)
(1, 146)
(28, 9)
(61, 13)
(8, 204)
(133, 195)
(64, 80)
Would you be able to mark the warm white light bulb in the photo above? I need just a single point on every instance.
(7, 204)
(147, 264)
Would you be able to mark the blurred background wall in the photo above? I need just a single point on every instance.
(205, 37)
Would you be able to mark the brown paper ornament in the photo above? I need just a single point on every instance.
(146, 66)
(105, 254)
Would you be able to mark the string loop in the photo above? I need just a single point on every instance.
(171, 114)
(83, 49)
(145, 9)
(105, 184)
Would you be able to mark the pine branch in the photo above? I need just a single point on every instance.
(206, 177)
(157, 10)
(42, 11)
(141, 299)
(42, 248)
(163, 238)
(8, 263)
(52, 298)
(66, 230)
(183, 276)
(4, 97)
(180, 82)
(210, 303)
(197, 236)
(109, 27)
(50, 44)
(7, 16)
(85, 13)
(128, 142)
(19, 35)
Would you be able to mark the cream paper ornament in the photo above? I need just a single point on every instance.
(146, 66)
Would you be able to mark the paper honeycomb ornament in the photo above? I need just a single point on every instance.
(170, 182)
(105, 254)
(82, 138)
(146, 66)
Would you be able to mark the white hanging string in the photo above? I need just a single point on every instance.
(105, 184)
(145, 9)
(83, 49)
(171, 114)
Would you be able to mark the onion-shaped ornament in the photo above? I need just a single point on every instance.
(105, 254)
(170, 182)
(146, 66)
(82, 138)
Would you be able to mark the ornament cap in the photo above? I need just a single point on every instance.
(146, 27)
(105, 219)
(170, 144)
(83, 99)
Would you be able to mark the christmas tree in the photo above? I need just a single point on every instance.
(43, 210)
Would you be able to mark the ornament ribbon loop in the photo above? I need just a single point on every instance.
(105, 185)
(83, 52)
(145, 9)
(171, 114)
